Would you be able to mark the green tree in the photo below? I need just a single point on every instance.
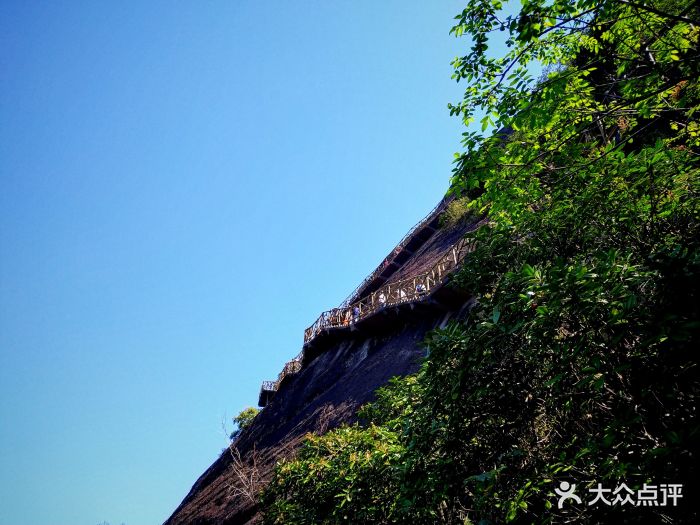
(243, 420)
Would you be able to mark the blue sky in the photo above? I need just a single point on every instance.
(185, 187)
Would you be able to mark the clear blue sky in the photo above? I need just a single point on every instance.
(185, 186)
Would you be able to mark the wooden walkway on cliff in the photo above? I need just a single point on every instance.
(407, 292)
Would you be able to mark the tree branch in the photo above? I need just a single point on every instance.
(677, 18)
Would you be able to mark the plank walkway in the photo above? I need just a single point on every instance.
(409, 290)
(406, 290)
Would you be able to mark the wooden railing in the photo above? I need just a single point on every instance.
(403, 291)
(290, 367)
(389, 258)
(410, 289)
(269, 386)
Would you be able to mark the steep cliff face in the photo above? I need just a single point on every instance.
(341, 370)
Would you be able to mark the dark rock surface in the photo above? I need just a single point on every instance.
(323, 395)
(342, 375)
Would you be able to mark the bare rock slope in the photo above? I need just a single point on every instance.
(347, 367)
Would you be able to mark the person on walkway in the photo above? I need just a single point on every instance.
(355, 314)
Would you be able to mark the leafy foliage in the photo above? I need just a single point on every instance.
(579, 360)
(456, 211)
(345, 476)
(243, 420)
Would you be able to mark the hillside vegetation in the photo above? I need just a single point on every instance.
(578, 362)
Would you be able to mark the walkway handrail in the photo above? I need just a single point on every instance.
(291, 367)
(387, 260)
(405, 290)
(270, 386)
(399, 292)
